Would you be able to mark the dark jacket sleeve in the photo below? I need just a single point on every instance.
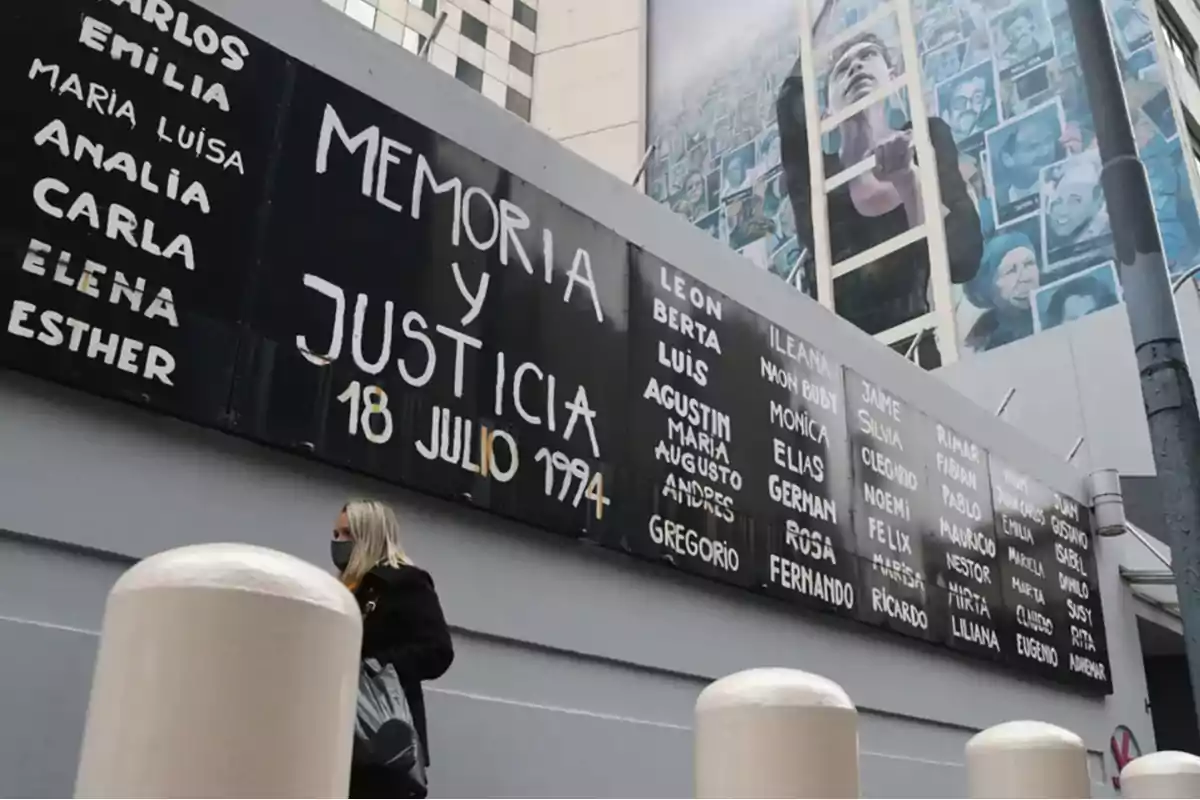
(964, 238)
(416, 640)
(793, 150)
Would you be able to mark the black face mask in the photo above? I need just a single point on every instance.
(340, 550)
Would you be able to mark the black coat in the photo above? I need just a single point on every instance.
(406, 628)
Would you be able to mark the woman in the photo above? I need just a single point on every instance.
(1077, 298)
(405, 626)
(1007, 279)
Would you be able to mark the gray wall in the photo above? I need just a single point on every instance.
(576, 668)
(1076, 380)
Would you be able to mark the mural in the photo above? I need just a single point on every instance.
(715, 74)
(1010, 129)
(1018, 111)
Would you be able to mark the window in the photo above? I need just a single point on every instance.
(517, 103)
(474, 30)
(428, 6)
(524, 15)
(1179, 41)
(469, 74)
(520, 58)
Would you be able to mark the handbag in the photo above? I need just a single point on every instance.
(385, 738)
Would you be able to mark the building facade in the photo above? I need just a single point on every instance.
(486, 44)
(711, 81)
(579, 654)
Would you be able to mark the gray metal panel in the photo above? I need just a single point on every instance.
(45, 676)
(1047, 401)
(142, 484)
(1106, 372)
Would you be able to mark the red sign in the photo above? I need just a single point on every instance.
(1124, 748)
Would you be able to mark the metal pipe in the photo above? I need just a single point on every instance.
(1182, 279)
(912, 348)
(1004, 403)
(645, 160)
(423, 53)
(1167, 391)
(1166, 562)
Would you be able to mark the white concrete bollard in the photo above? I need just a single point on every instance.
(1169, 773)
(775, 733)
(224, 670)
(1027, 759)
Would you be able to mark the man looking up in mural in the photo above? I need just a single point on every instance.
(881, 203)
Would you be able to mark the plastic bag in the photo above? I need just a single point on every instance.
(384, 735)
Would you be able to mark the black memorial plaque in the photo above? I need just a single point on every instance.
(199, 224)
(1025, 547)
(1081, 632)
(695, 433)
(1051, 594)
(806, 553)
(888, 441)
(961, 557)
(136, 141)
(428, 318)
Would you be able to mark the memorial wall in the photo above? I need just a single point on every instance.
(205, 227)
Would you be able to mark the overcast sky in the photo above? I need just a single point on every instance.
(689, 38)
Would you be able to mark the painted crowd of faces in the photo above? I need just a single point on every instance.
(718, 160)
(1004, 75)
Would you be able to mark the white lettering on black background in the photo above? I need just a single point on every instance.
(686, 444)
(1024, 540)
(138, 144)
(809, 552)
(464, 331)
(890, 492)
(202, 226)
(965, 546)
(1082, 634)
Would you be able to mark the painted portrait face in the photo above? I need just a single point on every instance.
(1035, 145)
(694, 188)
(1074, 202)
(860, 70)
(1078, 305)
(1017, 276)
(735, 172)
(1020, 33)
(967, 105)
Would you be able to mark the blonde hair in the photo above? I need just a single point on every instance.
(376, 535)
